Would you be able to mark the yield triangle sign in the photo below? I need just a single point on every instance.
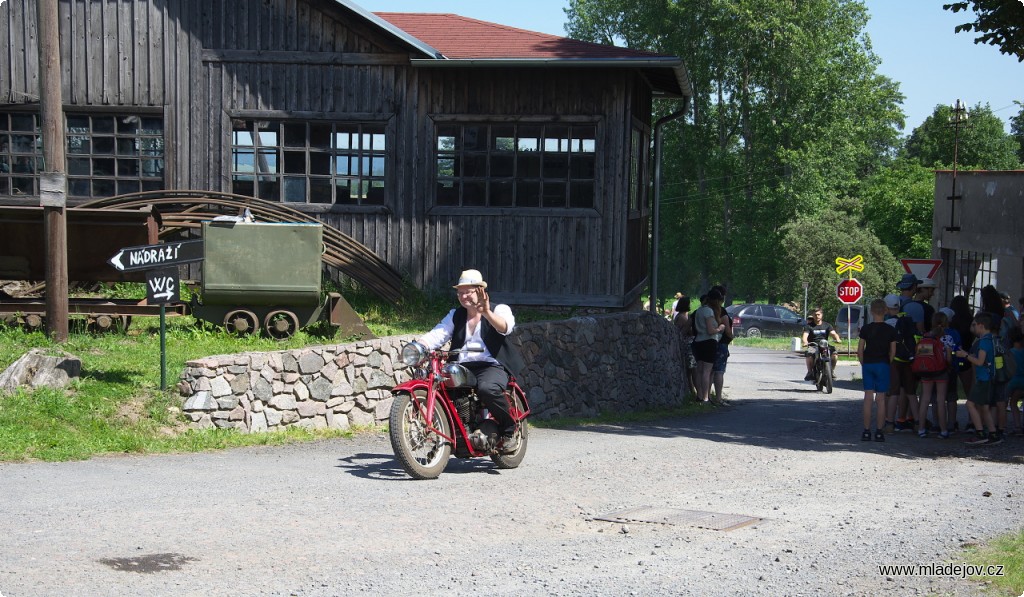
(923, 269)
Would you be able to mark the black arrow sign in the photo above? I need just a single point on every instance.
(162, 286)
(153, 256)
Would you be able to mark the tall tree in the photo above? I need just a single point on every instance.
(899, 202)
(982, 144)
(1017, 130)
(999, 23)
(788, 112)
(810, 246)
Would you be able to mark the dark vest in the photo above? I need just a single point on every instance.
(496, 343)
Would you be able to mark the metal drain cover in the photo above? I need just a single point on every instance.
(715, 521)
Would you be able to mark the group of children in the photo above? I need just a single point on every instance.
(898, 356)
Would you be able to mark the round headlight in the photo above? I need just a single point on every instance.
(413, 353)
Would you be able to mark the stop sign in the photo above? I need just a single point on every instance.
(849, 291)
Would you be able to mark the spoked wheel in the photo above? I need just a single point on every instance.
(522, 434)
(819, 376)
(754, 333)
(421, 452)
(826, 376)
(241, 322)
(280, 325)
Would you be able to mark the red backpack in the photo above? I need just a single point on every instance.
(929, 356)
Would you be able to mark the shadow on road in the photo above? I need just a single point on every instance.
(385, 467)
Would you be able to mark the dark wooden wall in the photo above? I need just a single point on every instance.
(204, 62)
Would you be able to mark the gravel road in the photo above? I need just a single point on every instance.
(339, 517)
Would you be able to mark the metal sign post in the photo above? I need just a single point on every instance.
(849, 292)
(162, 287)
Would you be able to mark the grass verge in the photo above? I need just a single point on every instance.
(116, 406)
(1006, 551)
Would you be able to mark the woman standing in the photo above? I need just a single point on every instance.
(705, 344)
(681, 319)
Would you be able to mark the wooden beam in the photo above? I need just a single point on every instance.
(289, 57)
(53, 198)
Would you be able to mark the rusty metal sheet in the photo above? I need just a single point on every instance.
(716, 521)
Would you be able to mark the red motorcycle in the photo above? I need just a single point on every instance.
(437, 413)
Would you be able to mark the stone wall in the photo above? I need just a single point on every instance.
(577, 367)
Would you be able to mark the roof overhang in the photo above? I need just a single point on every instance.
(667, 75)
(417, 44)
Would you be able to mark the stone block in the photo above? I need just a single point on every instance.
(301, 391)
(289, 363)
(342, 388)
(382, 410)
(310, 363)
(228, 402)
(329, 370)
(262, 390)
(273, 416)
(240, 384)
(320, 389)
(225, 424)
(204, 422)
(220, 387)
(291, 377)
(201, 401)
(288, 417)
(310, 408)
(38, 369)
(360, 417)
(283, 402)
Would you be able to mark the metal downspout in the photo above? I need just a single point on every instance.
(656, 220)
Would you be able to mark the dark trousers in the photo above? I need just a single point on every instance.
(491, 381)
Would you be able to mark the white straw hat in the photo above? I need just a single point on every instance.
(471, 277)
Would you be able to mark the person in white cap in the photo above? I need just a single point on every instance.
(483, 329)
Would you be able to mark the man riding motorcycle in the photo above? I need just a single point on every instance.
(476, 326)
(815, 330)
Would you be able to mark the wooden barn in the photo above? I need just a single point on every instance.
(440, 142)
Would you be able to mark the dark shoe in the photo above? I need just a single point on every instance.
(890, 426)
(979, 439)
(879, 436)
(509, 444)
(866, 436)
(994, 439)
(922, 434)
(944, 435)
(809, 377)
(970, 427)
(903, 426)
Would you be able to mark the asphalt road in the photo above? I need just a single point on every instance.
(340, 517)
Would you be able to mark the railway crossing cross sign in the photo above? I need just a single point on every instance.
(849, 291)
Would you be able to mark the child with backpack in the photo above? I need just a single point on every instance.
(981, 399)
(931, 364)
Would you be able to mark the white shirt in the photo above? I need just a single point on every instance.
(443, 331)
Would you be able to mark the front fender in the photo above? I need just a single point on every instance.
(411, 385)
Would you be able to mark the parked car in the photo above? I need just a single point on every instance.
(755, 321)
(849, 321)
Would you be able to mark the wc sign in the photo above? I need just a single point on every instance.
(162, 286)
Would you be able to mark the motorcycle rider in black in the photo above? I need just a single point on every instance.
(816, 329)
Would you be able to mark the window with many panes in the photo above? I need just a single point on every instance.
(515, 165)
(309, 162)
(114, 155)
(20, 154)
(106, 155)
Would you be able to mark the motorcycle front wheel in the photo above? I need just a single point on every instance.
(515, 458)
(826, 376)
(421, 452)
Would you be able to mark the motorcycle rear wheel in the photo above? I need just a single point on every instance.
(421, 452)
(515, 458)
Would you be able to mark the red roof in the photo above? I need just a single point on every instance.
(459, 37)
